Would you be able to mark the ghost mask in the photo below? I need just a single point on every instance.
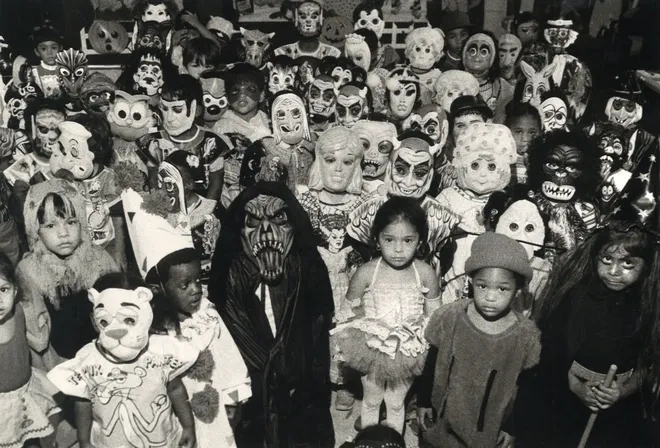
(379, 139)
(358, 51)
(352, 105)
(309, 18)
(72, 151)
(215, 98)
(509, 47)
(371, 21)
(554, 113)
(149, 76)
(623, 111)
(410, 171)
(289, 119)
(523, 223)
(122, 318)
(322, 96)
(479, 54)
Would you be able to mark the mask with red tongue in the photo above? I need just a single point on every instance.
(267, 236)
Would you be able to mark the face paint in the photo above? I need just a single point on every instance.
(554, 113)
(149, 76)
(523, 223)
(309, 18)
(215, 98)
(177, 118)
(288, 116)
(479, 54)
(351, 105)
(562, 167)
(509, 50)
(411, 173)
(72, 152)
(156, 13)
(623, 111)
(371, 21)
(322, 96)
(358, 51)
(46, 131)
(378, 141)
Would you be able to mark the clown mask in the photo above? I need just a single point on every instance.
(72, 69)
(509, 50)
(432, 121)
(623, 111)
(267, 236)
(378, 141)
(215, 98)
(309, 18)
(358, 51)
(72, 152)
(554, 113)
(149, 76)
(371, 21)
(289, 119)
(351, 105)
(410, 170)
(156, 13)
(122, 318)
(322, 96)
(130, 117)
(45, 131)
(559, 35)
(402, 97)
(523, 223)
(170, 180)
(479, 54)
(177, 116)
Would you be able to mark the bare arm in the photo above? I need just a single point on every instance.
(179, 397)
(430, 280)
(83, 417)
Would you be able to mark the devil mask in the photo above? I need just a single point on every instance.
(352, 104)
(378, 141)
(432, 121)
(255, 43)
(509, 51)
(623, 111)
(309, 18)
(289, 119)
(72, 68)
(322, 96)
(215, 98)
(410, 170)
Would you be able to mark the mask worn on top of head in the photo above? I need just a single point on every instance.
(523, 223)
(72, 69)
(309, 19)
(322, 96)
(177, 116)
(122, 318)
(280, 77)
(170, 180)
(267, 236)
(45, 131)
(149, 76)
(72, 151)
(357, 50)
(255, 43)
(410, 171)
(509, 51)
(215, 98)
(370, 21)
(479, 54)
(623, 111)
(378, 139)
(554, 113)
(432, 121)
(561, 168)
(351, 105)
(156, 13)
(130, 116)
(289, 119)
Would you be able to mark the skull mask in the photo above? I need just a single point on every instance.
(72, 67)
(267, 236)
(45, 131)
(378, 141)
(352, 104)
(255, 43)
(322, 96)
(149, 76)
(372, 21)
(309, 18)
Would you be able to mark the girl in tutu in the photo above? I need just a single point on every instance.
(391, 296)
(26, 395)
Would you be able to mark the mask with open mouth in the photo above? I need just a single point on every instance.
(562, 168)
(169, 179)
(322, 96)
(289, 118)
(379, 139)
(149, 76)
(267, 236)
(613, 146)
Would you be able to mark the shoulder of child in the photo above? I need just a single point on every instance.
(426, 272)
(442, 319)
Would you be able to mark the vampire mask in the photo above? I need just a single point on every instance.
(130, 116)
(72, 151)
(255, 43)
(622, 111)
(479, 54)
(509, 47)
(403, 92)
(289, 119)
(372, 20)
(322, 96)
(281, 74)
(352, 104)
(149, 76)
(267, 235)
(309, 18)
(453, 84)
(215, 97)
(424, 47)
(410, 170)
(432, 121)
(72, 70)
(379, 139)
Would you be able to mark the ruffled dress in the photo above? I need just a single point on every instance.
(387, 339)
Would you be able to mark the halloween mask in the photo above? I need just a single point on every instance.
(342, 70)
(554, 113)
(352, 104)
(432, 121)
(215, 98)
(17, 99)
(149, 76)
(357, 50)
(378, 140)
(509, 50)
(289, 119)
(156, 13)
(523, 223)
(97, 94)
(607, 192)
(559, 34)
(336, 167)
(170, 180)
(45, 131)
(424, 47)
(130, 116)
(536, 82)
(72, 69)
(267, 236)
(562, 167)
(410, 170)
(72, 152)
(255, 43)
(479, 54)
(107, 37)
(403, 92)
(372, 21)
(322, 96)
(281, 74)
(528, 32)
(335, 30)
(483, 157)
(309, 18)
(453, 84)
(155, 35)
(122, 318)
(613, 146)
(623, 111)
(177, 116)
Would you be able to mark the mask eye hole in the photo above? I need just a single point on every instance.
(513, 227)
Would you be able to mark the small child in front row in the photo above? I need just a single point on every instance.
(26, 395)
(480, 347)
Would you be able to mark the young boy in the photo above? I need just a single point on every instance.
(456, 26)
(479, 348)
(244, 85)
(47, 42)
(200, 55)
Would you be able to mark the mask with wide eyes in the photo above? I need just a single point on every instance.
(341, 77)
(523, 223)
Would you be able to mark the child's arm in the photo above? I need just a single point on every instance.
(429, 280)
(357, 286)
(83, 418)
(608, 396)
(179, 397)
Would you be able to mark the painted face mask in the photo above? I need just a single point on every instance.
(255, 43)
(322, 96)
(536, 82)
(289, 119)
(357, 50)
(280, 77)
(130, 117)
(72, 151)
(562, 167)
(378, 141)
(45, 131)
(177, 116)
(432, 121)
(72, 69)
(309, 18)
(623, 111)
(523, 223)
(371, 21)
(410, 170)
(509, 51)
(560, 35)
(122, 318)
(215, 98)
(351, 105)
(479, 54)
(149, 76)
(267, 236)
(554, 113)
(170, 180)
(607, 192)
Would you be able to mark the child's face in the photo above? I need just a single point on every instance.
(618, 269)
(528, 32)
(463, 122)
(7, 297)
(196, 68)
(494, 288)
(398, 243)
(61, 236)
(47, 51)
(183, 287)
(456, 40)
(244, 97)
(524, 130)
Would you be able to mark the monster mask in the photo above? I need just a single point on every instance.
(372, 20)
(309, 18)
(72, 70)
(352, 104)
(479, 54)
(255, 43)
(130, 117)
(403, 92)
(559, 34)
(322, 96)
(453, 84)
(267, 235)
(72, 151)
(432, 121)
(289, 119)
(215, 98)
(554, 113)
(357, 50)
(149, 76)
(378, 141)
(509, 51)
(623, 111)
(45, 131)
(281, 74)
(123, 318)
(523, 223)
(562, 167)
(170, 180)
(97, 94)
(613, 146)
(410, 170)
(424, 47)
(336, 167)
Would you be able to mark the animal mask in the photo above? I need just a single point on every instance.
(322, 96)
(335, 30)
(560, 35)
(281, 74)
(72, 152)
(122, 318)
(562, 168)
(624, 112)
(536, 83)
(72, 70)
(309, 18)
(255, 43)
(509, 51)
(130, 116)
(424, 47)
(410, 171)
(352, 104)
(289, 119)
(453, 84)
(267, 236)
(378, 141)
(107, 37)
(523, 223)
(554, 112)
(149, 76)
(372, 21)
(479, 54)
(432, 121)
(215, 98)
(613, 145)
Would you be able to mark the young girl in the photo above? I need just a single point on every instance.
(54, 275)
(595, 312)
(395, 294)
(22, 388)
(524, 122)
(480, 346)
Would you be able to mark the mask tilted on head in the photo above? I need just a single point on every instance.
(255, 43)
(372, 21)
(149, 76)
(122, 318)
(322, 96)
(410, 171)
(309, 18)
(130, 116)
(267, 235)
(72, 151)
(379, 139)
(352, 104)
(289, 119)
(522, 222)
(72, 69)
(509, 51)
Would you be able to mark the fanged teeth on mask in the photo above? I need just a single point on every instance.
(553, 191)
(267, 245)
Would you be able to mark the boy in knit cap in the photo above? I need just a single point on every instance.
(479, 347)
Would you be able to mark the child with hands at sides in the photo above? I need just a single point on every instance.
(479, 347)
(391, 298)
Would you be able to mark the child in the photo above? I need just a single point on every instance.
(244, 85)
(62, 262)
(456, 26)
(395, 294)
(21, 387)
(481, 345)
(47, 42)
(524, 122)
(126, 383)
(527, 28)
(200, 55)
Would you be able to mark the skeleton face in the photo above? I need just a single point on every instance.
(322, 96)
(402, 100)
(46, 131)
(351, 107)
(280, 78)
(509, 50)
(288, 121)
(378, 140)
(371, 21)
(562, 167)
(267, 236)
(149, 78)
(623, 111)
(522, 222)
(411, 173)
(309, 18)
(255, 44)
(215, 99)
(16, 107)
(554, 113)
(156, 13)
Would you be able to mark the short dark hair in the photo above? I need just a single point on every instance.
(119, 280)
(201, 49)
(244, 72)
(367, 6)
(183, 87)
(100, 143)
(516, 109)
(161, 272)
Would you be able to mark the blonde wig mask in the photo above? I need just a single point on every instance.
(334, 140)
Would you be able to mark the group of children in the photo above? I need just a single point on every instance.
(458, 202)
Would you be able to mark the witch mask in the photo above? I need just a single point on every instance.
(509, 47)
(267, 235)
(289, 119)
(623, 111)
(379, 139)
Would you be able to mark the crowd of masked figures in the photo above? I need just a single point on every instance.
(267, 153)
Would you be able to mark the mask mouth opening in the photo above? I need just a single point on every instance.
(556, 192)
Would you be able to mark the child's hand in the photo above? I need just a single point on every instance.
(607, 396)
(424, 414)
(187, 438)
(505, 440)
(584, 391)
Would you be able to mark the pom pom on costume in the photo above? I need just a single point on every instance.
(205, 404)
